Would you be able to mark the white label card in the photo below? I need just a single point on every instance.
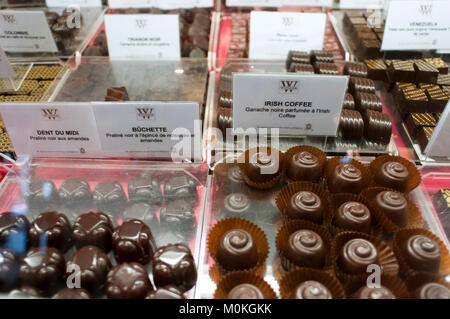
(297, 104)
(312, 3)
(417, 25)
(6, 70)
(143, 35)
(67, 3)
(25, 31)
(439, 145)
(141, 129)
(49, 129)
(123, 4)
(175, 4)
(288, 31)
(362, 4)
(254, 3)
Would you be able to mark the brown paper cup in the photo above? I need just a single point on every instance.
(243, 165)
(292, 279)
(232, 279)
(414, 214)
(414, 178)
(416, 280)
(402, 236)
(386, 257)
(321, 157)
(290, 227)
(285, 195)
(393, 283)
(337, 200)
(335, 161)
(215, 273)
(227, 224)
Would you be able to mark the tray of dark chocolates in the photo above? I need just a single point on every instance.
(279, 224)
(126, 229)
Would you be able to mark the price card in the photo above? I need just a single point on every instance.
(5, 68)
(123, 4)
(254, 3)
(67, 3)
(49, 129)
(313, 3)
(362, 4)
(439, 145)
(175, 4)
(25, 31)
(143, 35)
(297, 104)
(148, 128)
(288, 31)
(417, 25)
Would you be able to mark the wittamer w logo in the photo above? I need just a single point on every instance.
(9, 18)
(426, 9)
(288, 21)
(50, 114)
(141, 23)
(145, 113)
(288, 86)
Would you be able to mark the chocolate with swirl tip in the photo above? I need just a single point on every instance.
(311, 289)
(51, 229)
(394, 206)
(263, 167)
(431, 290)
(145, 188)
(237, 250)
(422, 253)
(353, 216)
(14, 232)
(356, 255)
(234, 180)
(346, 178)
(305, 205)
(127, 281)
(305, 248)
(237, 205)
(392, 174)
(351, 125)
(245, 291)
(304, 166)
(366, 292)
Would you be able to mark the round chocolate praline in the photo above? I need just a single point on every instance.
(353, 216)
(373, 293)
(422, 253)
(394, 206)
(245, 291)
(356, 255)
(305, 205)
(127, 281)
(432, 290)
(51, 229)
(9, 269)
(237, 205)
(346, 178)
(263, 167)
(392, 174)
(14, 232)
(305, 248)
(166, 292)
(237, 250)
(93, 229)
(311, 290)
(304, 166)
(72, 293)
(75, 193)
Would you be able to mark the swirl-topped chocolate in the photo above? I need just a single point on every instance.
(366, 292)
(353, 216)
(237, 250)
(346, 178)
(263, 167)
(303, 166)
(245, 291)
(356, 255)
(422, 253)
(393, 175)
(311, 290)
(305, 248)
(305, 205)
(236, 205)
(432, 290)
(394, 206)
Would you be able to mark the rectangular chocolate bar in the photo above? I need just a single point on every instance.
(401, 71)
(415, 121)
(443, 79)
(439, 64)
(425, 72)
(424, 136)
(326, 68)
(438, 99)
(412, 100)
(376, 69)
(301, 68)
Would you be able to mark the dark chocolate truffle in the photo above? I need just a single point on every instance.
(245, 291)
(14, 232)
(432, 290)
(41, 194)
(43, 269)
(305, 205)
(174, 265)
(133, 241)
(373, 293)
(93, 229)
(393, 175)
(110, 198)
(305, 248)
(145, 188)
(181, 187)
(237, 250)
(353, 216)
(311, 290)
(24, 293)
(356, 255)
(346, 178)
(94, 265)
(179, 217)
(143, 212)
(237, 205)
(72, 293)
(9, 269)
(127, 281)
(304, 166)
(51, 229)
(167, 292)
(75, 193)
(263, 167)
(422, 253)
(394, 206)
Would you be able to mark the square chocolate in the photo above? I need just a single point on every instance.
(425, 72)
(416, 100)
(443, 79)
(401, 71)
(376, 70)
(439, 64)
(415, 121)
(369, 48)
(438, 99)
